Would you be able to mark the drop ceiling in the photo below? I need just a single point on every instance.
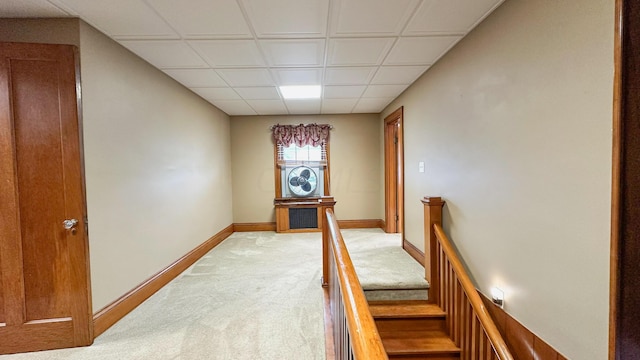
(235, 53)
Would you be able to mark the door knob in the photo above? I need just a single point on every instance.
(70, 224)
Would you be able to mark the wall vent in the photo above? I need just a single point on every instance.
(303, 218)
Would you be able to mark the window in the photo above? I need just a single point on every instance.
(307, 154)
(301, 145)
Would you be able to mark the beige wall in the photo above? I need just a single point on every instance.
(514, 126)
(43, 31)
(158, 172)
(354, 151)
(157, 159)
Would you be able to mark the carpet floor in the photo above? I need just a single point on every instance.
(257, 295)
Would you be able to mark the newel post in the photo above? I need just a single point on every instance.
(432, 215)
(327, 203)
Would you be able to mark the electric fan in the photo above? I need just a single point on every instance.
(302, 181)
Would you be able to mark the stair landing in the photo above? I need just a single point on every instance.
(385, 270)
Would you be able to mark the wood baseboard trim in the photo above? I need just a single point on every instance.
(359, 224)
(522, 343)
(262, 226)
(412, 250)
(112, 313)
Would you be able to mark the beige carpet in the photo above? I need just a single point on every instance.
(255, 296)
(385, 270)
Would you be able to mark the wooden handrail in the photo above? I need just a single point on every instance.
(364, 339)
(498, 343)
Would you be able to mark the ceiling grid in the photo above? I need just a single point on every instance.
(236, 53)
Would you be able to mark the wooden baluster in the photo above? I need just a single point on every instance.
(441, 266)
(474, 338)
(327, 204)
(432, 215)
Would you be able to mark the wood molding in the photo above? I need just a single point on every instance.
(360, 224)
(522, 343)
(394, 171)
(412, 250)
(624, 332)
(115, 311)
(260, 226)
(615, 182)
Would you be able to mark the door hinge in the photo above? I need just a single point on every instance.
(395, 140)
(397, 218)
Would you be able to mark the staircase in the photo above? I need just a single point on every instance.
(383, 308)
(410, 327)
(413, 329)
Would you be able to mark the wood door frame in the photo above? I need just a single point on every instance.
(624, 319)
(394, 172)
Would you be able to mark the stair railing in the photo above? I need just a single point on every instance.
(470, 326)
(355, 334)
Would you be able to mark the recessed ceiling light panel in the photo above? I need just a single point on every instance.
(301, 91)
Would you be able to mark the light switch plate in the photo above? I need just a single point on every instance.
(421, 166)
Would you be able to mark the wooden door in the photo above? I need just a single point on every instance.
(44, 282)
(394, 172)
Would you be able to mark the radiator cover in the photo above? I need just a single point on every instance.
(303, 218)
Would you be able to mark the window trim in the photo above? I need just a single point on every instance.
(277, 171)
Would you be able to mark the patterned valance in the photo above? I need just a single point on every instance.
(301, 135)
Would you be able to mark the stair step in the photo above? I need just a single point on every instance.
(405, 309)
(412, 330)
(397, 294)
(432, 344)
(407, 316)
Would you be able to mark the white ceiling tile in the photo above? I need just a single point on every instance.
(339, 92)
(358, 51)
(294, 53)
(229, 53)
(449, 16)
(370, 17)
(338, 106)
(303, 106)
(197, 77)
(383, 91)
(214, 94)
(258, 93)
(235, 52)
(235, 107)
(420, 50)
(30, 9)
(165, 54)
(349, 75)
(298, 76)
(246, 77)
(123, 19)
(371, 105)
(204, 18)
(268, 107)
(288, 18)
(398, 74)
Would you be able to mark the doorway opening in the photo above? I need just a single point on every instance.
(394, 172)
